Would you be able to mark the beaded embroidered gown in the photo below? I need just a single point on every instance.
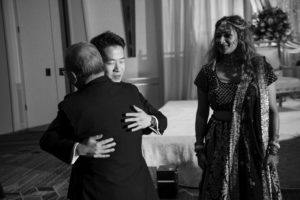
(250, 156)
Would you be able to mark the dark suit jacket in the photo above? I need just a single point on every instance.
(99, 108)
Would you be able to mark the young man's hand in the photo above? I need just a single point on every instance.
(138, 120)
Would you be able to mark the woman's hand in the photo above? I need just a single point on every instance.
(202, 161)
(272, 160)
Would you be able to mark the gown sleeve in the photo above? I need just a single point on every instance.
(270, 77)
(201, 80)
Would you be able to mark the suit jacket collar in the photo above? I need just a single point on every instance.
(102, 79)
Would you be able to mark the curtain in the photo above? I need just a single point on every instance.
(187, 30)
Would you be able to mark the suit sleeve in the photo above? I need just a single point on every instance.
(59, 139)
(150, 110)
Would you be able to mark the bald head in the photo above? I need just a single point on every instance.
(83, 59)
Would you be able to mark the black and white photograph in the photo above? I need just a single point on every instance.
(150, 99)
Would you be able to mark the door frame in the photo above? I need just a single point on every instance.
(7, 115)
(20, 121)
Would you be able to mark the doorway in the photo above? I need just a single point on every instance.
(41, 58)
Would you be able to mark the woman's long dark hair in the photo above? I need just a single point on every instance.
(245, 42)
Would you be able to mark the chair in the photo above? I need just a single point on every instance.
(288, 83)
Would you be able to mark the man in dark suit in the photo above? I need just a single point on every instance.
(97, 107)
(111, 47)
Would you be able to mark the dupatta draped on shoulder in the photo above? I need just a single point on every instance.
(270, 181)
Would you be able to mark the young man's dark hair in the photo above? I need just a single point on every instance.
(107, 39)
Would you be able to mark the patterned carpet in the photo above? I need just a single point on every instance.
(26, 172)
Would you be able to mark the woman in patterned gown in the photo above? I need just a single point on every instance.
(237, 148)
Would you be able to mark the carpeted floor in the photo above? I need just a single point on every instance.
(26, 172)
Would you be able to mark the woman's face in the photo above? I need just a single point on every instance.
(226, 39)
